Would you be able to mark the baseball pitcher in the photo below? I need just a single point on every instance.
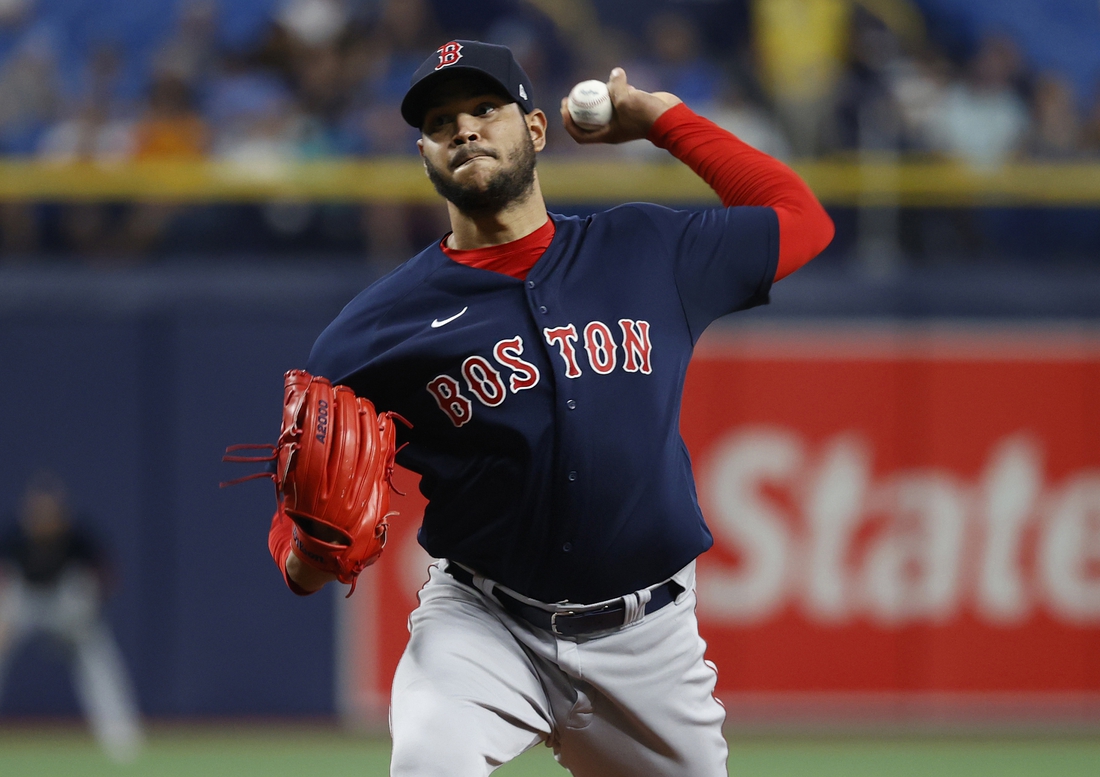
(539, 361)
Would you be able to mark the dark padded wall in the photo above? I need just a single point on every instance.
(131, 397)
(130, 384)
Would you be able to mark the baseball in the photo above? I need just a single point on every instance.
(590, 105)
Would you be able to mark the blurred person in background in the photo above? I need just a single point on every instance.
(14, 12)
(401, 35)
(97, 127)
(868, 116)
(257, 130)
(983, 120)
(670, 58)
(97, 123)
(103, 80)
(276, 103)
(679, 63)
(30, 91)
(548, 53)
(1090, 130)
(919, 85)
(190, 52)
(1055, 124)
(170, 127)
(53, 580)
(800, 47)
(89, 135)
(738, 113)
(305, 49)
(252, 112)
(313, 23)
(30, 98)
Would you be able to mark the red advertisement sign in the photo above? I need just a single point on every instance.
(904, 513)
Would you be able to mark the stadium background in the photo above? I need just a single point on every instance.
(189, 191)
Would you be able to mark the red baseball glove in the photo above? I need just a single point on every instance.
(333, 473)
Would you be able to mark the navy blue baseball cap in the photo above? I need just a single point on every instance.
(469, 56)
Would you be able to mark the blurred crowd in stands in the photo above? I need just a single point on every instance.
(323, 78)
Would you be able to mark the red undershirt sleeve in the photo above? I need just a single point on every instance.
(278, 542)
(741, 175)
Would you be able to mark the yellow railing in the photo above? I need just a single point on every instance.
(564, 180)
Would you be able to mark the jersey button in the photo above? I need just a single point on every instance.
(567, 547)
(571, 404)
(542, 308)
(573, 475)
(530, 284)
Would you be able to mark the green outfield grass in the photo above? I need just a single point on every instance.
(235, 751)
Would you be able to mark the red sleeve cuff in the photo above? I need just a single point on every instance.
(278, 542)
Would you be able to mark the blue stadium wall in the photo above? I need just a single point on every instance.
(130, 383)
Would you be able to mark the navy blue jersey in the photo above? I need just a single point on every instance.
(546, 411)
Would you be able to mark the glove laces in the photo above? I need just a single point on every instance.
(249, 459)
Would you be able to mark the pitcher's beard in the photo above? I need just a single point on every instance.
(504, 188)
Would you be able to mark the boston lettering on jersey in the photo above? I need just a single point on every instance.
(485, 382)
(546, 416)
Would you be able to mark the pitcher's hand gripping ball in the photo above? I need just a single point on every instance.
(589, 105)
(333, 473)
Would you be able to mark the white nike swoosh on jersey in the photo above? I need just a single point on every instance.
(438, 323)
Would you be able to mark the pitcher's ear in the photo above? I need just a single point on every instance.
(536, 126)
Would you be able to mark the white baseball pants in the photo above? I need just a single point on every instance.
(69, 611)
(477, 687)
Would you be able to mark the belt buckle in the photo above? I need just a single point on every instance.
(554, 621)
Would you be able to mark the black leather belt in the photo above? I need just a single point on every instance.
(572, 623)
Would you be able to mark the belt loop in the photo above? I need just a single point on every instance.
(634, 604)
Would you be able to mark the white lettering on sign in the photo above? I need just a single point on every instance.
(817, 528)
(1069, 550)
(912, 571)
(833, 505)
(1008, 493)
(750, 524)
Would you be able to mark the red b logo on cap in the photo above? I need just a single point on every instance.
(449, 53)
